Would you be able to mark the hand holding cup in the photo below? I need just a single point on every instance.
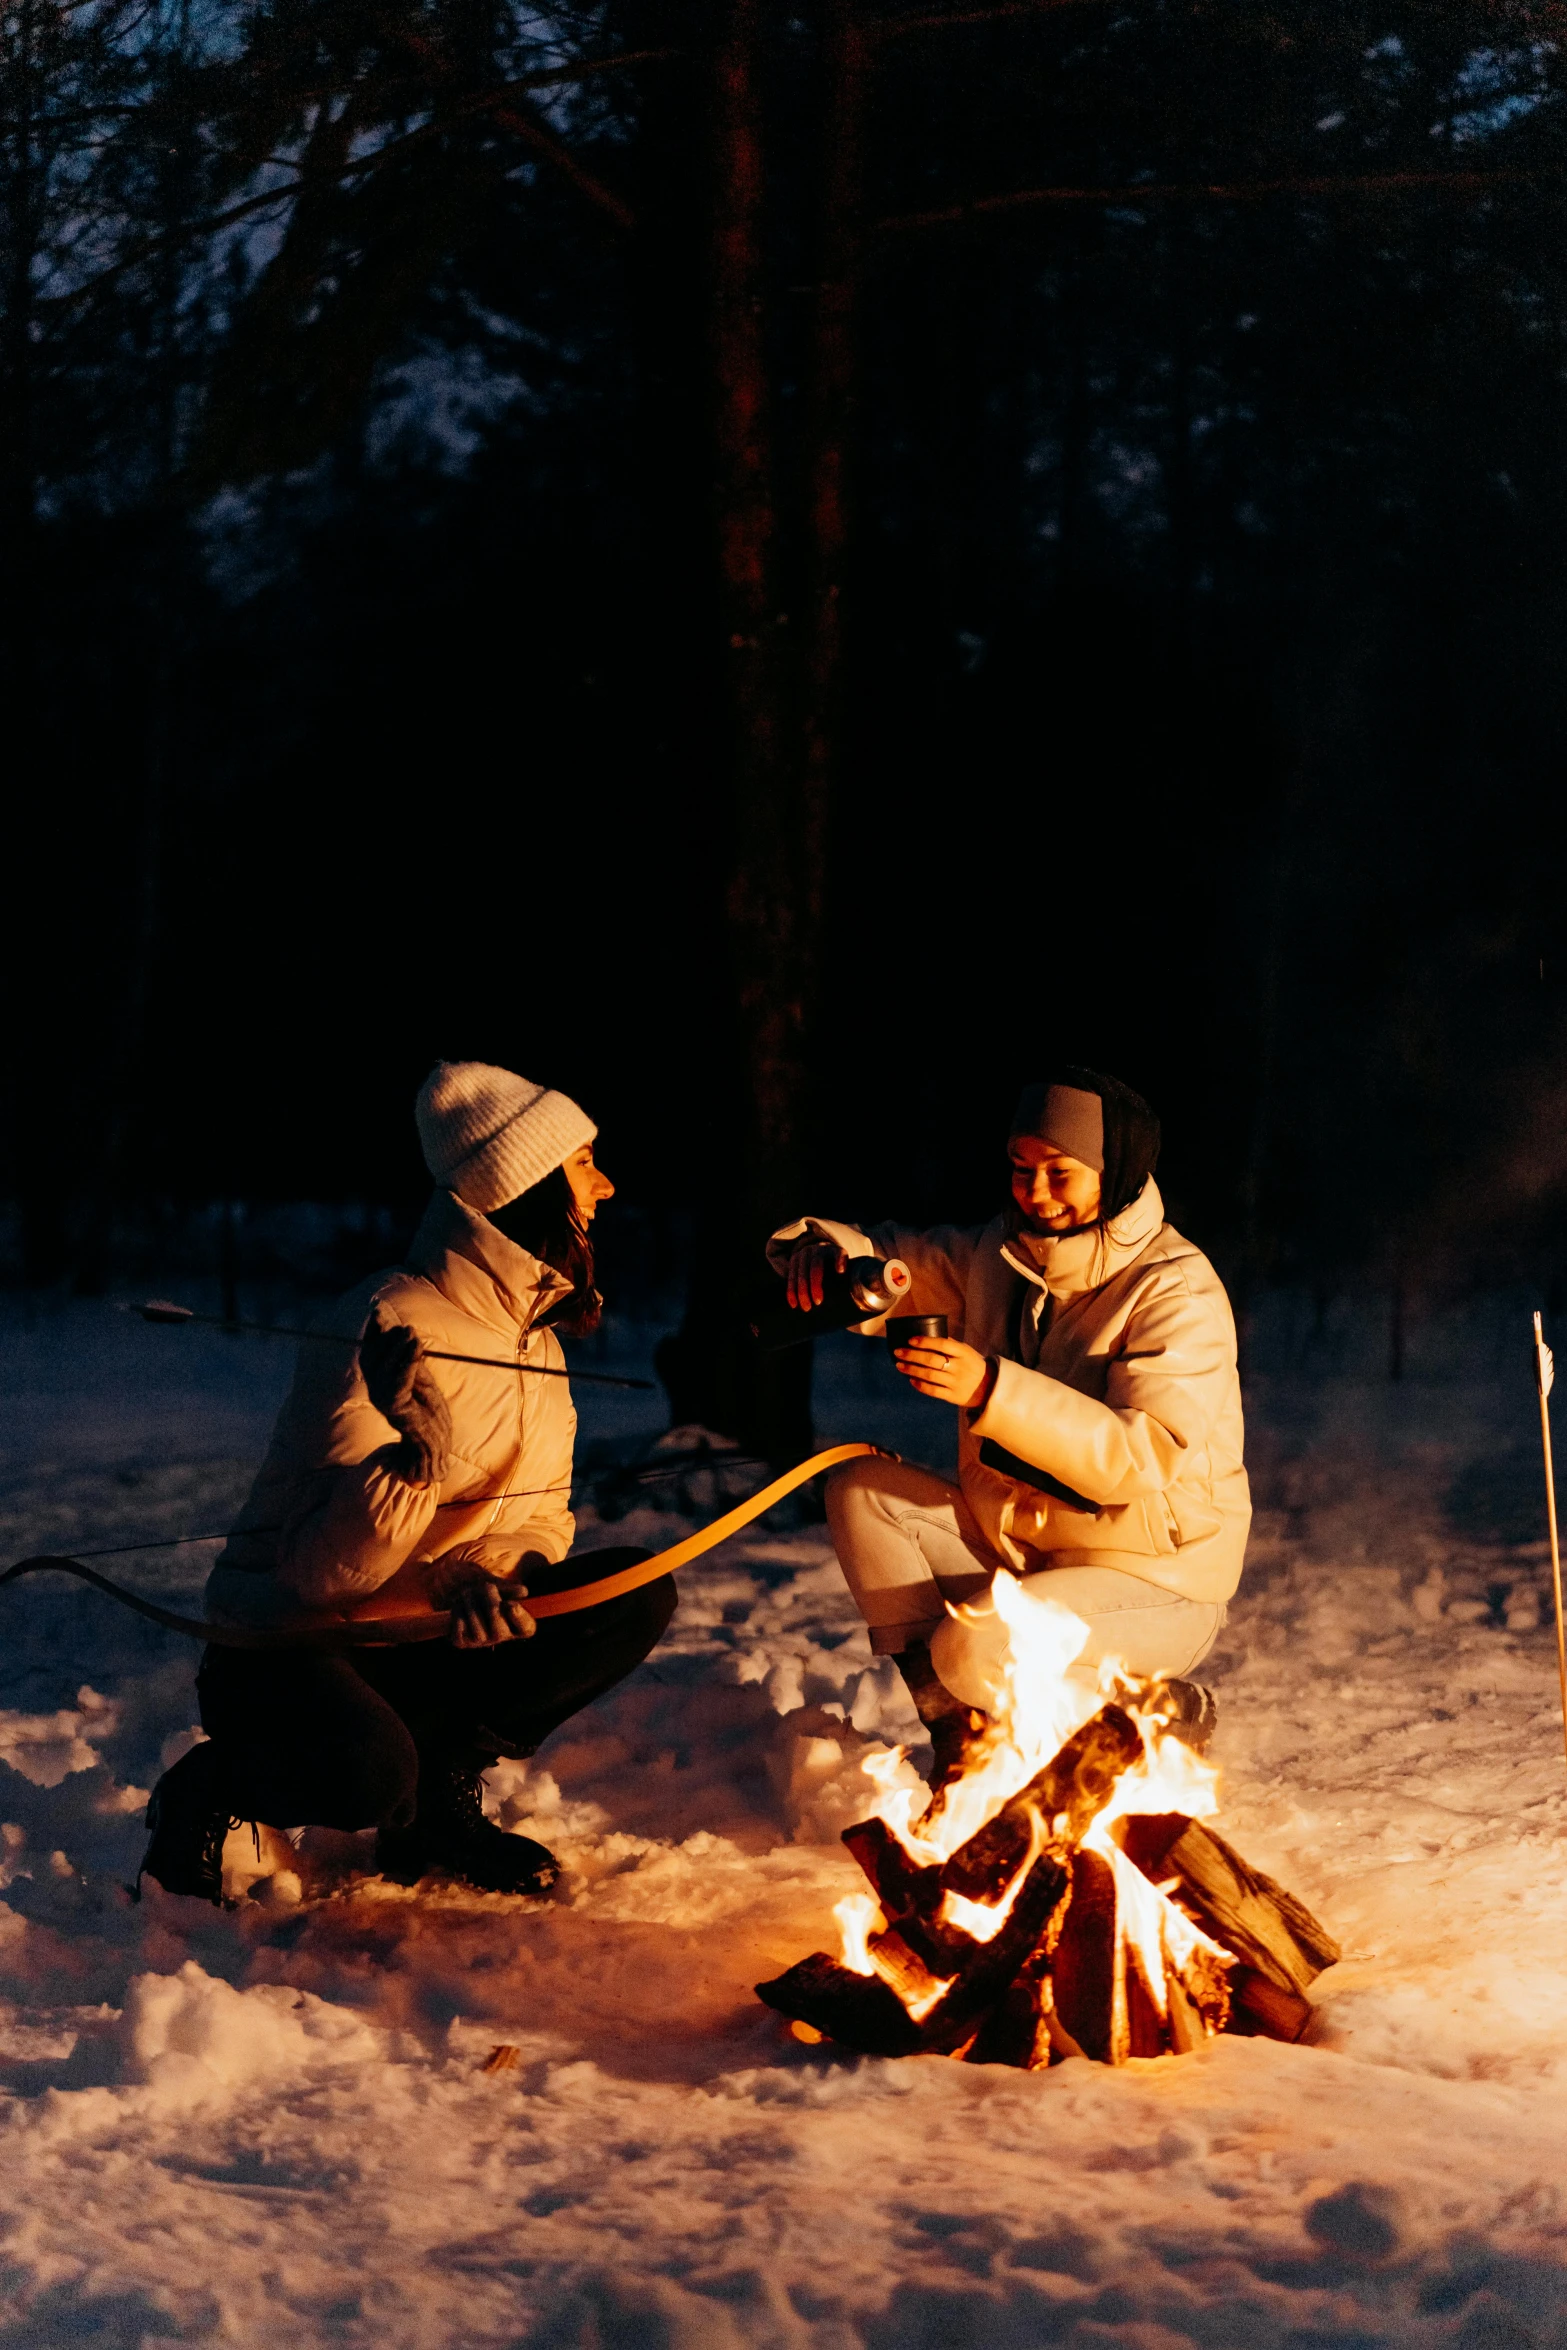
(935, 1365)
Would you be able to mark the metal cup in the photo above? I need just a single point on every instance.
(909, 1326)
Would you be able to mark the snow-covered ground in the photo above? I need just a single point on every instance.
(277, 2125)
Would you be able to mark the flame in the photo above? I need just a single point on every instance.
(859, 1917)
(1029, 1646)
(982, 1921)
(1025, 1648)
(1160, 1936)
(919, 2009)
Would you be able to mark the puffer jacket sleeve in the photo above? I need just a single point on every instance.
(1167, 1383)
(355, 1530)
(350, 1521)
(848, 1237)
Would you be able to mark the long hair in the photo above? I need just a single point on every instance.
(544, 1221)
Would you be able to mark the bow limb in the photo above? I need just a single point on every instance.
(342, 1631)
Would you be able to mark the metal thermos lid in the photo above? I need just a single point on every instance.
(877, 1290)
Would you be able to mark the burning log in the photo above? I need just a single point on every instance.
(1070, 1792)
(862, 2011)
(910, 1896)
(1131, 1976)
(1281, 1948)
(1023, 1923)
(946, 1976)
(1067, 1795)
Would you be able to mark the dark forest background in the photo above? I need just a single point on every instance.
(776, 567)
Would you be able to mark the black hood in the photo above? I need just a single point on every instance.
(1131, 1131)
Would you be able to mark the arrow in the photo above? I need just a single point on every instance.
(162, 1310)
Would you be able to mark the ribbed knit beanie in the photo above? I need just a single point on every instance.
(490, 1136)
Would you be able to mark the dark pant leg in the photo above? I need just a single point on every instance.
(474, 1704)
(304, 1740)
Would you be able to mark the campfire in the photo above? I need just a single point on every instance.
(1064, 1896)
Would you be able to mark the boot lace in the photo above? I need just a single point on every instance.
(459, 1801)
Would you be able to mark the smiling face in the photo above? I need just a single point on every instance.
(588, 1183)
(1054, 1193)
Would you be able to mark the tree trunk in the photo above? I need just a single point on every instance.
(41, 1173)
(835, 384)
(712, 1370)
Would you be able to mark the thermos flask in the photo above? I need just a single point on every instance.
(867, 1288)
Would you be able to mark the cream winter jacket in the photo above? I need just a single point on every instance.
(328, 1519)
(1130, 1416)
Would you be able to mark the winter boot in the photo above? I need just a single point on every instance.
(188, 1819)
(955, 1729)
(1191, 1712)
(450, 1837)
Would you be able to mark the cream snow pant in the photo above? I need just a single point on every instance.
(908, 1543)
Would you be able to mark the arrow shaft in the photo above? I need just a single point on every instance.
(433, 1354)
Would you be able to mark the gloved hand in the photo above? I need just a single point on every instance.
(485, 1589)
(403, 1390)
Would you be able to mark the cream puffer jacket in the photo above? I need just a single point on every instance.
(1129, 1416)
(328, 1519)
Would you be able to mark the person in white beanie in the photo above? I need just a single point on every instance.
(389, 1467)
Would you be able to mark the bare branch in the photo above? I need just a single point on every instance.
(892, 28)
(545, 143)
(1458, 183)
(545, 78)
(526, 125)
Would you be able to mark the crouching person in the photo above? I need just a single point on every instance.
(1091, 1355)
(450, 1478)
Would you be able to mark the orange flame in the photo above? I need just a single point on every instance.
(859, 1917)
(1024, 1649)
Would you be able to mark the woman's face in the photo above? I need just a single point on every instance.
(588, 1184)
(1054, 1193)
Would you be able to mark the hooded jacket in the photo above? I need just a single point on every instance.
(328, 1519)
(1113, 1433)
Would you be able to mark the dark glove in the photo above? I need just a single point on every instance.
(403, 1390)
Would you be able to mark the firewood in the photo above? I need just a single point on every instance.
(861, 2011)
(915, 1983)
(1245, 1911)
(994, 1965)
(1100, 1994)
(1017, 2030)
(1074, 1787)
(910, 1896)
(1087, 1981)
(1266, 2011)
(1146, 1838)
(1185, 2026)
(1063, 1975)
